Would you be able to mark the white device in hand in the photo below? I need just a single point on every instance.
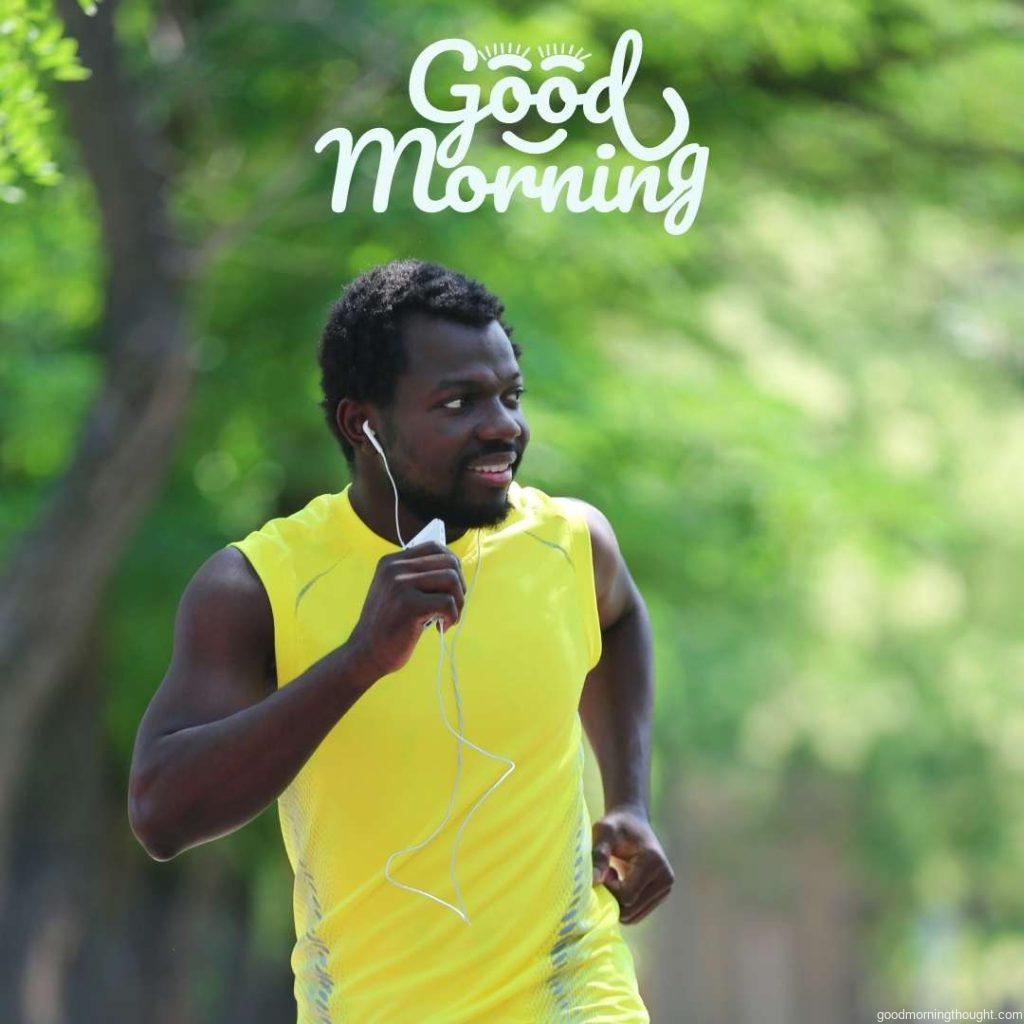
(434, 530)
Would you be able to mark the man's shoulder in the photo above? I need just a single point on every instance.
(290, 547)
(226, 575)
(529, 500)
(227, 596)
(585, 520)
(283, 535)
(315, 513)
(574, 510)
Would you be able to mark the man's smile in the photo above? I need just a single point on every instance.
(493, 470)
(493, 477)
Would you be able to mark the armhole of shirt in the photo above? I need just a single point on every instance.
(254, 548)
(583, 556)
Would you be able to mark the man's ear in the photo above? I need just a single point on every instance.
(350, 416)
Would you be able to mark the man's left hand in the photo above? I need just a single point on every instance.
(625, 833)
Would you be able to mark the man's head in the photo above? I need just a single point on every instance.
(423, 354)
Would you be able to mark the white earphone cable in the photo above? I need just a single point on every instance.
(459, 736)
(462, 739)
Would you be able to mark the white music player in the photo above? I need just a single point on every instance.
(434, 530)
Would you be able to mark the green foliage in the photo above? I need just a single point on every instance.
(33, 50)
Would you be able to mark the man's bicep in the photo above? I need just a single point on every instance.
(222, 658)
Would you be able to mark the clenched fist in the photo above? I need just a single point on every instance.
(625, 834)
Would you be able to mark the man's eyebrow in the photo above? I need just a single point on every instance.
(474, 382)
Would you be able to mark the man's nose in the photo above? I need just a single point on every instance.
(500, 424)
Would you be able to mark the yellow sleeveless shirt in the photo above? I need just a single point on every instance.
(542, 943)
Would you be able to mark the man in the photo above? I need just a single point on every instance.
(302, 672)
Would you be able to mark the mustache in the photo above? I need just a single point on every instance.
(505, 449)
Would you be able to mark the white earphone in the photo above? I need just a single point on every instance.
(368, 431)
(461, 909)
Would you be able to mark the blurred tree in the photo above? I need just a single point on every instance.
(57, 572)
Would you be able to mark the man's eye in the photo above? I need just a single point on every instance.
(462, 402)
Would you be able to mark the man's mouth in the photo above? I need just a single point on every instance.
(493, 470)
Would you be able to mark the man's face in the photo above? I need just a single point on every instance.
(456, 409)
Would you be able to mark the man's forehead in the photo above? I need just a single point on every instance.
(438, 349)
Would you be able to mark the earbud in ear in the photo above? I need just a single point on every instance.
(371, 436)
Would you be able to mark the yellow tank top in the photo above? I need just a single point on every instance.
(542, 943)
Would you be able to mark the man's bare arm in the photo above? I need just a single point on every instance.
(618, 694)
(213, 748)
(616, 708)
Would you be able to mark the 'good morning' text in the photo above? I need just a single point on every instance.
(674, 190)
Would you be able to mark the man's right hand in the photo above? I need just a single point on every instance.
(409, 588)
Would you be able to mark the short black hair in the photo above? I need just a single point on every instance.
(361, 351)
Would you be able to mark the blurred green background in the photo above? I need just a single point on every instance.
(803, 418)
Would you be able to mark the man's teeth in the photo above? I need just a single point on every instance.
(500, 468)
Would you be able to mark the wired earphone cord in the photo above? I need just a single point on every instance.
(460, 910)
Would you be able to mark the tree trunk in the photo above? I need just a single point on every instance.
(54, 582)
(54, 851)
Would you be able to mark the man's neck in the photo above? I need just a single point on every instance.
(376, 507)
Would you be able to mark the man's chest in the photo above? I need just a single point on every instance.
(518, 654)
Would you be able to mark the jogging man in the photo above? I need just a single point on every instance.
(418, 712)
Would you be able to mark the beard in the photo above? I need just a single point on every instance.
(452, 507)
